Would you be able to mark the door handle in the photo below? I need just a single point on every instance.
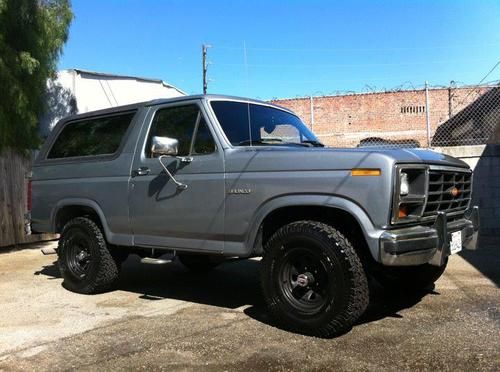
(185, 159)
(142, 171)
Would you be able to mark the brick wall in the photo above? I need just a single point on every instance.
(346, 120)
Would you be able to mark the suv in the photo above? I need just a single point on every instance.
(206, 178)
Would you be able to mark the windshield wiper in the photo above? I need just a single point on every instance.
(277, 141)
(314, 143)
(259, 142)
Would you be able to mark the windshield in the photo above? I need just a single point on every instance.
(248, 124)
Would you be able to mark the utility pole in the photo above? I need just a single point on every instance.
(204, 48)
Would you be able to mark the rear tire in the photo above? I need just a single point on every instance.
(313, 280)
(199, 262)
(85, 262)
(408, 277)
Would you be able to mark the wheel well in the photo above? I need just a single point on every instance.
(68, 212)
(340, 219)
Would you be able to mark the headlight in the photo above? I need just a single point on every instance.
(404, 186)
(410, 193)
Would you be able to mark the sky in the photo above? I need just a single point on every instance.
(285, 49)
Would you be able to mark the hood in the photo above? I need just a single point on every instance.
(423, 156)
(284, 158)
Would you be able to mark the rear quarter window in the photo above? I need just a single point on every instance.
(91, 137)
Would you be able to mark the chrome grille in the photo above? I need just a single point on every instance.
(440, 192)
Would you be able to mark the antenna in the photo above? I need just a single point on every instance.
(245, 60)
(204, 48)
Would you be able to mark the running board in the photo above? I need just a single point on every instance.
(155, 261)
(48, 251)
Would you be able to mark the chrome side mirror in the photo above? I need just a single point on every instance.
(164, 146)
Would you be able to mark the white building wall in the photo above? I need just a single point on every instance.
(78, 91)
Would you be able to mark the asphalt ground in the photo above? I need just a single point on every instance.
(165, 317)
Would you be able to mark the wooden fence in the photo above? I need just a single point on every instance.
(13, 200)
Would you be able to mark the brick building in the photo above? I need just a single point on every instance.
(345, 120)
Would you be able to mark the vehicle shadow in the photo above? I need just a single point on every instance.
(383, 304)
(486, 258)
(232, 285)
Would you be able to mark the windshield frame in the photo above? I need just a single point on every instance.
(209, 100)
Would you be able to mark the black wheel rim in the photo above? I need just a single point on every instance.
(79, 253)
(304, 280)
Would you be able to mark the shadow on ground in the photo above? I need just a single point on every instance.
(231, 285)
(486, 258)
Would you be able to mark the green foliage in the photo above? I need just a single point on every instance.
(32, 34)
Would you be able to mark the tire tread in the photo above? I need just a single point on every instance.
(108, 269)
(359, 295)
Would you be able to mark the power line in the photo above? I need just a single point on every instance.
(488, 74)
(270, 49)
(261, 65)
(483, 79)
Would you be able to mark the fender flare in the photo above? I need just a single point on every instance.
(82, 202)
(370, 232)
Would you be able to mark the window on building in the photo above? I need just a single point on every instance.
(412, 109)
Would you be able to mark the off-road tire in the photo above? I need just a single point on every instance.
(408, 277)
(199, 262)
(102, 270)
(345, 296)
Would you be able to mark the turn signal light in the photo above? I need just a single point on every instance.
(365, 172)
(403, 211)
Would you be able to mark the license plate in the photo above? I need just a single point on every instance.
(456, 242)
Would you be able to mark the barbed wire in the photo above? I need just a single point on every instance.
(406, 86)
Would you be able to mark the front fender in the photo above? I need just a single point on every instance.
(370, 232)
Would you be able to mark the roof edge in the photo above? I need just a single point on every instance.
(139, 78)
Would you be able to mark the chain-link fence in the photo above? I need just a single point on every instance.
(428, 117)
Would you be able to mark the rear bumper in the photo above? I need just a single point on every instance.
(428, 244)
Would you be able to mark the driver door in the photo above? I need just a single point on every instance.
(163, 215)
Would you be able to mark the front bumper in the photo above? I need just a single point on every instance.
(418, 245)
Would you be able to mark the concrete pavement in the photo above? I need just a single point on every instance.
(165, 317)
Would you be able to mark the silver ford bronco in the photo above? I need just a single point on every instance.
(206, 178)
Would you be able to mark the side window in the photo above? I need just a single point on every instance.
(90, 137)
(180, 123)
(204, 142)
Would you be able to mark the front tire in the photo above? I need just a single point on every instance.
(85, 261)
(313, 280)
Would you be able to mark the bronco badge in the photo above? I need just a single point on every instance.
(239, 191)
